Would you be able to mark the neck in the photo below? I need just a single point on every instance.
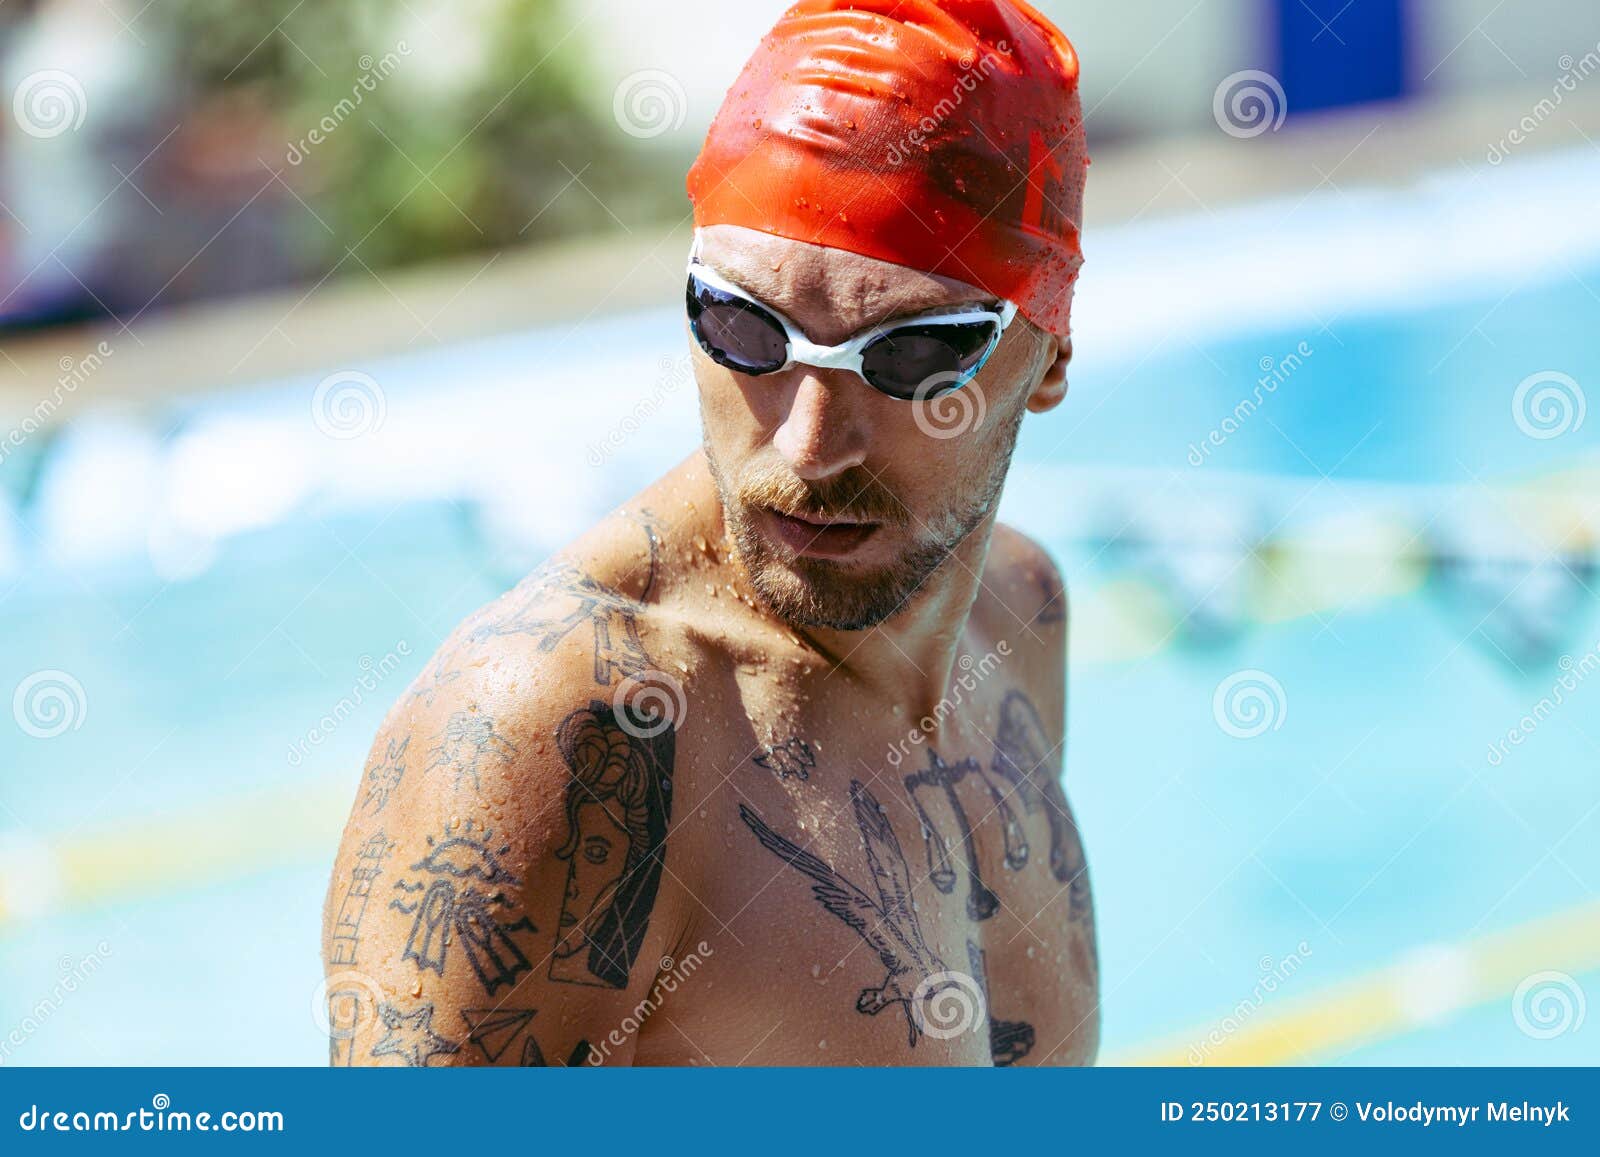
(910, 657)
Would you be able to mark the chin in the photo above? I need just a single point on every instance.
(838, 596)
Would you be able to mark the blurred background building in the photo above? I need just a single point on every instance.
(489, 124)
(321, 323)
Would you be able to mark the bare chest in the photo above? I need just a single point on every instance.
(865, 891)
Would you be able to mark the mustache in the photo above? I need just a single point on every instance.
(854, 494)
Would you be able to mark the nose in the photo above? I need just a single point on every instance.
(824, 432)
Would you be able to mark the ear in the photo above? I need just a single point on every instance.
(1052, 388)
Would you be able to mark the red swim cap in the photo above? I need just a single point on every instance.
(944, 135)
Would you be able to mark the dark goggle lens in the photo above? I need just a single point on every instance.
(734, 332)
(923, 361)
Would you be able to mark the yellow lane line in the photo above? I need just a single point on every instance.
(181, 850)
(1420, 989)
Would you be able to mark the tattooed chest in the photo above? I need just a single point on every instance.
(913, 871)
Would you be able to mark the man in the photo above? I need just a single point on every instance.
(764, 769)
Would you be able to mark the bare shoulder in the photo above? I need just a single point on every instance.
(1021, 574)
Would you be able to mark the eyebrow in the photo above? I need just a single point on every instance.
(931, 312)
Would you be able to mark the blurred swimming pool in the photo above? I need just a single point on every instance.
(1305, 615)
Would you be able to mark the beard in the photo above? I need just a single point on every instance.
(838, 594)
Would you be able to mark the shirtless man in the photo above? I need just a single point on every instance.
(765, 768)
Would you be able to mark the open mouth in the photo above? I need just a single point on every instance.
(818, 536)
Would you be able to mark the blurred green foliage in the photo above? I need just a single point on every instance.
(456, 126)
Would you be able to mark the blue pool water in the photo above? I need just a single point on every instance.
(1379, 536)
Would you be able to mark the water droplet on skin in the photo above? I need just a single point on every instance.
(822, 1044)
(816, 971)
(1030, 952)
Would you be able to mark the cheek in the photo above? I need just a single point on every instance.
(731, 407)
(944, 462)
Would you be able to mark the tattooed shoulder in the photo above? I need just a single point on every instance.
(563, 603)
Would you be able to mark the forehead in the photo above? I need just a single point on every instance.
(829, 293)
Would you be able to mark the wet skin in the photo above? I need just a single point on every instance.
(707, 833)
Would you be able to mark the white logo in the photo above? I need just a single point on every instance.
(48, 704)
(1549, 1004)
(348, 404)
(949, 414)
(947, 1004)
(1249, 103)
(50, 103)
(1548, 405)
(649, 103)
(1249, 703)
(343, 1001)
(648, 705)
